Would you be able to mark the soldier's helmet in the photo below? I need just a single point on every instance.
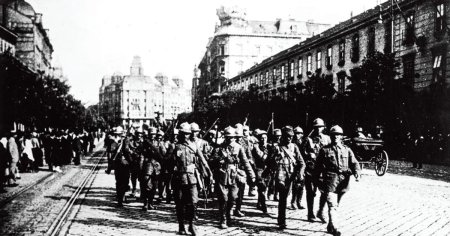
(277, 132)
(140, 130)
(298, 130)
(185, 128)
(239, 132)
(160, 133)
(336, 130)
(238, 126)
(287, 131)
(152, 130)
(260, 132)
(318, 123)
(359, 129)
(118, 130)
(229, 132)
(245, 128)
(195, 127)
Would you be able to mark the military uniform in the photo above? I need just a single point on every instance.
(136, 147)
(121, 154)
(247, 146)
(287, 164)
(335, 164)
(312, 148)
(260, 154)
(225, 161)
(151, 169)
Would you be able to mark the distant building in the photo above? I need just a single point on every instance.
(239, 44)
(419, 40)
(33, 47)
(136, 98)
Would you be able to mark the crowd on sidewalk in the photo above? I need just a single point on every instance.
(27, 152)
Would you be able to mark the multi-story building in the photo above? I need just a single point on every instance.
(33, 47)
(7, 41)
(239, 44)
(418, 35)
(135, 98)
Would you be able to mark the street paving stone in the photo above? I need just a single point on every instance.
(389, 205)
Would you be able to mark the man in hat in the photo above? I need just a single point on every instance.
(260, 154)
(275, 142)
(287, 163)
(335, 163)
(186, 160)
(159, 121)
(136, 147)
(315, 141)
(239, 129)
(151, 168)
(225, 161)
(120, 149)
(298, 183)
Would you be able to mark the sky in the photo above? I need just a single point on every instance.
(96, 38)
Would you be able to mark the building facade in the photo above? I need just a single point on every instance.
(136, 98)
(33, 47)
(239, 44)
(7, 41)
(418, 35)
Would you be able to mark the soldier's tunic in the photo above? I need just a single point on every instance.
(186, 161)
(288, 164)
(151, 169)
(225, 161)
(136, 147)
(260, 154)
(298, 183)
(335, 164)
(205, 149)
(247, 145)
(162, 150)
(312, 148)
(121, 151)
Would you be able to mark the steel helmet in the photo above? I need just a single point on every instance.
(288, 130)
(318, 123)
(230, 131)
(152, 130)
(298, 130)
(160, 133)
(118, 130)
(185, 128)
(336, 130)
(195, 127)
(239, 132)
(277, 132)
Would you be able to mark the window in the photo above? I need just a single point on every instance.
(291, 69)
(274, 75)
(341, 82)
(319, 60)
(222, 49)
(283, 75)
(328, 59)
(355, 48)
(266, 81)
(438, 67)
(371, 40)
(300, 66)
(408, 68)
(440, 24)
(309, 63)
(409, 29)
(342, 52)
(387, 37)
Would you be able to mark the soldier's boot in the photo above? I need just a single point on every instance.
(180, 219)
(120, 199)
(322, 202)
(293, 205)
(228, 213)
(181, 229)
(191, 211)
(222, 211)
(144, 208)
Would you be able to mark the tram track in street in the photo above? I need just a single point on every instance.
(60, 223)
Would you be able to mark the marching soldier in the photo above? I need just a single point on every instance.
(136, 158)
(275, 142)
(335, 163)
(248, 142)
(187, 161)
(163, 177)
(316, 140)
(151, 169)
(298, 183)
(260, 154)
(287, 164)
(168, 170)
(226, 160)
(202, 146)
(120, 148)
(241, 185)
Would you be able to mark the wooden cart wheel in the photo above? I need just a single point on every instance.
(381, 163)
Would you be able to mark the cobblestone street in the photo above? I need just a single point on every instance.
(389, 205)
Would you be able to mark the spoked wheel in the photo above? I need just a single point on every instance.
(381, 163)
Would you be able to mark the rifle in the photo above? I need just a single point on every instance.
(206, 133)
(245, 120)
(270, 125)
(217, 134)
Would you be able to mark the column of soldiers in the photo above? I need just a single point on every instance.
(221, 165)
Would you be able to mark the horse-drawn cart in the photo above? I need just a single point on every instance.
(370, 151)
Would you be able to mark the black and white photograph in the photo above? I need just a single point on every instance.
(225, 117)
